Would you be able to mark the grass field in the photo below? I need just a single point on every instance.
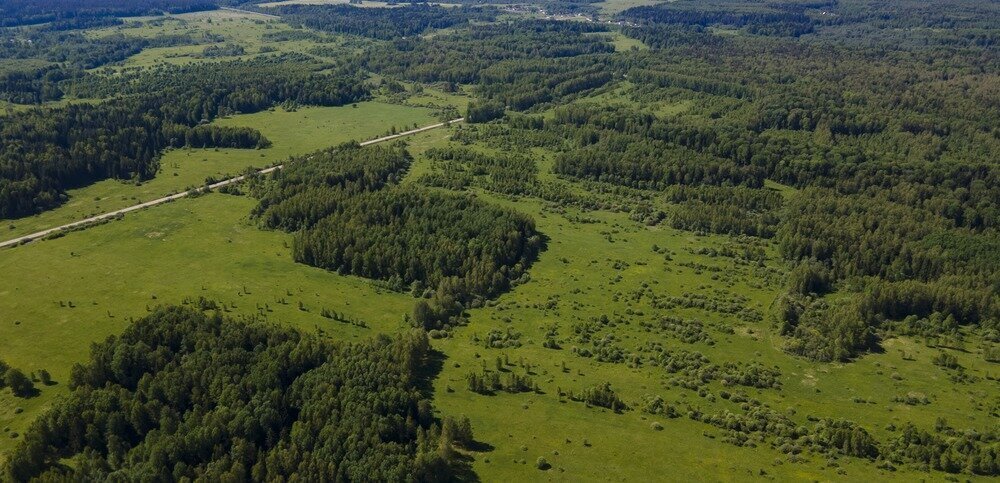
(61, 295)
(624, 446)
(244, 29)
(623, 43)
(612, 7)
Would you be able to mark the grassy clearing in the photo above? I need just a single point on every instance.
(595, 265)
(364, 3)
(246, 30)
(578, 272)
(612, 7)
(434, 98)
(623, 43)
(291, 133)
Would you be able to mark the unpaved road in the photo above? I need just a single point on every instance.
(159, 201)
(248, 12)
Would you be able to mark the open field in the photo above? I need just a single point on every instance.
(612, 7)
(244, 29)
(624, 447)
(593, 269)
(364, 3)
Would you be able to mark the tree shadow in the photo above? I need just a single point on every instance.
(428, 372)
(480, 447)
(33, 392)
(461, 468)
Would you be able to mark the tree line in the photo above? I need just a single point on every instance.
(28, 12)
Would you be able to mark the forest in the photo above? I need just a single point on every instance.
(85, 12)
(465, 55)
(49, 151)
(350, 216)
(184, 394)
(709, 239)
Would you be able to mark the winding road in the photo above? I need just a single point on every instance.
(159, 201)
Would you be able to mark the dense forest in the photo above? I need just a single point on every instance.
(351, 217)
(182, 394)
(465, 55)
(47, 151)
(83, 12)
(778, 19)
(966, 22)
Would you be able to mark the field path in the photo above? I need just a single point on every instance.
(159, 201)
(231, 9)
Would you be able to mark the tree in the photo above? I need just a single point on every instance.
(44, 377)
(484, 111)
(18, 382)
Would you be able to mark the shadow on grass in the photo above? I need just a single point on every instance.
(429, 371)
(462, 469)
(480, 447)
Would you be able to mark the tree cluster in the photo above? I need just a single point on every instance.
(463, 56)
(18, 382)
(185, 395)
(351, 217)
